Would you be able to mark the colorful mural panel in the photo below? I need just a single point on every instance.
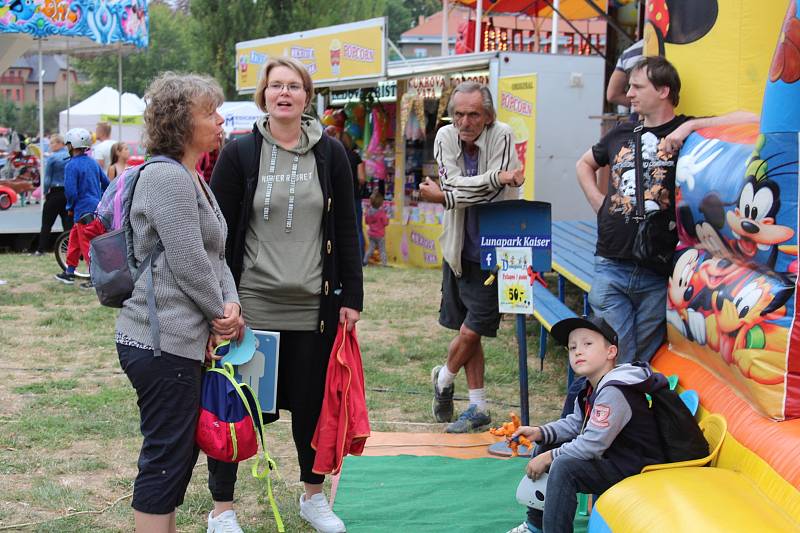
(103, 21)
(731, 299)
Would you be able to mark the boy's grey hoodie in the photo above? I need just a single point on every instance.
(611, 411)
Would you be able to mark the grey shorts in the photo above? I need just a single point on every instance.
(466, 300)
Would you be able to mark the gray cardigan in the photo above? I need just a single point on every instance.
(192, 281)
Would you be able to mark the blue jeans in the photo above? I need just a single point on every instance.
(567, 477)
(633, 300)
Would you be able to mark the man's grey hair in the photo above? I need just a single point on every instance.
(474, 87)
(57, 137)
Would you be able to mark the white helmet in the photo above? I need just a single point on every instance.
(531, 493)
(78, 138)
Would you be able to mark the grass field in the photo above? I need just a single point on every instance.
(70, 434)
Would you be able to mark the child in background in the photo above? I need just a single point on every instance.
(120, 153)
(84, 183)
(610, 435)
(376, 220)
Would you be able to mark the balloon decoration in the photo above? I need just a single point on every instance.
(354, 130)
(367, 123)
(327, 118)
(375, 165)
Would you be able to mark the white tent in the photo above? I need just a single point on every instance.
(239, 116)
(103, 106)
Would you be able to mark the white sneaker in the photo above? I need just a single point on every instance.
(524, 528)
(223, 523)
(317, 512)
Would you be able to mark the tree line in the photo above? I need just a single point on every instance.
(201, 35)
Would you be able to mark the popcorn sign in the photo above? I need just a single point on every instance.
(515, 104)
(354, 52)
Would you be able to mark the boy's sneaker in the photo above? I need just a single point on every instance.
(470, 420)
(442, 406)
(223, 523)
(317, 512)
(89, 285)
(525, 527)
(65, 278)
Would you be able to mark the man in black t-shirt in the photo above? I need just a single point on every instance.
(630, 294)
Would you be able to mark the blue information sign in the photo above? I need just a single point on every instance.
(516, 224)
(261, 372)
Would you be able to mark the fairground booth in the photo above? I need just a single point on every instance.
(392, 109)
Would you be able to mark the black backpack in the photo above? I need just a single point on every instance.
(681, 436)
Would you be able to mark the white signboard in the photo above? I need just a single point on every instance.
(514, 276)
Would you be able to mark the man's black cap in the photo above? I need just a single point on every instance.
(563, 328)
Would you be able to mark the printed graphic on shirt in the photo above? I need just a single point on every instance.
(600, 415)
(281, 178)
(655, 166)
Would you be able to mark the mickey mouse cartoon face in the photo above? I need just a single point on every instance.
(677, 22)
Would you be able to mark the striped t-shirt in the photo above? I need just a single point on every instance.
(630, 56)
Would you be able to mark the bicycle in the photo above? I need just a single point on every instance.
(61, 246)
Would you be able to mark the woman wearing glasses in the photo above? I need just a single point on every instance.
(286, 191)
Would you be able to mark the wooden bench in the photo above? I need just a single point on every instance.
(573, 256)
(573, 248)
(548, 309)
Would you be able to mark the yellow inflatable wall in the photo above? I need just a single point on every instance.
(721, 48)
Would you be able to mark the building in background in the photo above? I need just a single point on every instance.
(20, 84)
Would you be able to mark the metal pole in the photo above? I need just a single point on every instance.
(610, 21)
(445, 30)
(575, 28)
(69, 86)
(523, 370)
(119, 88)
(501, 448)
(554, 32)
(478, 17)
(41, 127)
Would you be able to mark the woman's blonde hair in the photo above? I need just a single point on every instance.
(288, 62)
(171, 99)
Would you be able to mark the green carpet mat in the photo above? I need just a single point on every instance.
(431, 494)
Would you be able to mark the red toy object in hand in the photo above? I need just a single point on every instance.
(507, 430)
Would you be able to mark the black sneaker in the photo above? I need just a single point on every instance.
(442, 400)
(87, 285)
(65, 278)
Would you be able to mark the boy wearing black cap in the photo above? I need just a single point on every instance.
(610, 435)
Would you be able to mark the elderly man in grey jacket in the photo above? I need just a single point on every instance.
(477, 164)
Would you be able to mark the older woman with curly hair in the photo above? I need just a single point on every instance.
(174, 213)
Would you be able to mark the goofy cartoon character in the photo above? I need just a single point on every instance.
(745, 333)
(753, 220)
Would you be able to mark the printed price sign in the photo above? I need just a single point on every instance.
(514, 275)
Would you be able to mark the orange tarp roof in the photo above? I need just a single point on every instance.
(571, 9)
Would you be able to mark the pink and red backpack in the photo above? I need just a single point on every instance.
(230, 425)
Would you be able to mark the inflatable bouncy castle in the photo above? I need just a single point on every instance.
(732, 309)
